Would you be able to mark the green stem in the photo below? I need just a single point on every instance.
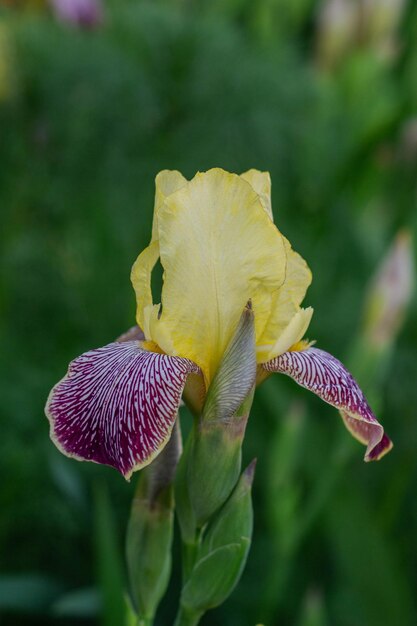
(186, 617)
(189, 555)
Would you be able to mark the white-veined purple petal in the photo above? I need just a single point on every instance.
(117, 405)
(324, 375)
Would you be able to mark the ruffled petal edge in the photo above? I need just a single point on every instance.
(117, 405)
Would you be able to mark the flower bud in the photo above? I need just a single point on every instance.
(379, 24)
(390, 293)
(336, 31)
(150, 530)
(235, 518)
(214, 464)
(223, 552)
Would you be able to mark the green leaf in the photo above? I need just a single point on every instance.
(365, 563)
(109, 561)
(83, 603)
(28, 593)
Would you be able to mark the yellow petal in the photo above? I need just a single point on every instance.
(291, 334)
(166, 182)
(141, 281)
(286, 305)
(218, 249)
(261, 183)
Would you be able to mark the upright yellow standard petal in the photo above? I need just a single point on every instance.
(218, 249)
(287, 322)
(141, 281)
(166, 182)
(261, 183)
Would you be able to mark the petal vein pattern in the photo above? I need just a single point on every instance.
(117, 405)
(324, 375)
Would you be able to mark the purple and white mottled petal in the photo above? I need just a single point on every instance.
(324, 375)
(117, 405)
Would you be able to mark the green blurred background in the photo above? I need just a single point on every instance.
(324, 96)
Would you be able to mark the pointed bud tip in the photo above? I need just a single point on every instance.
(249, 472)
(247, 312)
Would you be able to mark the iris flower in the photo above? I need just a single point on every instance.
(219, 248)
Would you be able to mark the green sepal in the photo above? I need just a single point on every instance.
(235, 518)
(222, 554)
(214, 577)
(236, 374)
(148, 548)
(214, 464)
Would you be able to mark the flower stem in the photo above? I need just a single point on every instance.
(186, 617)
(189, 553)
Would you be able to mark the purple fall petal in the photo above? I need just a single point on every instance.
(324, 375)
(117, 405)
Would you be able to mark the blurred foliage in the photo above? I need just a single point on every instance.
(87, 118)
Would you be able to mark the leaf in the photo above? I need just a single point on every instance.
(28, 593)
(372, 585)
(78, 603)
(108, 561)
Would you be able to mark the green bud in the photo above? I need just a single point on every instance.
(214, 577)
(223, 552)
(235, 518)
(148, 547)
(214, 464)
(150, 531)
